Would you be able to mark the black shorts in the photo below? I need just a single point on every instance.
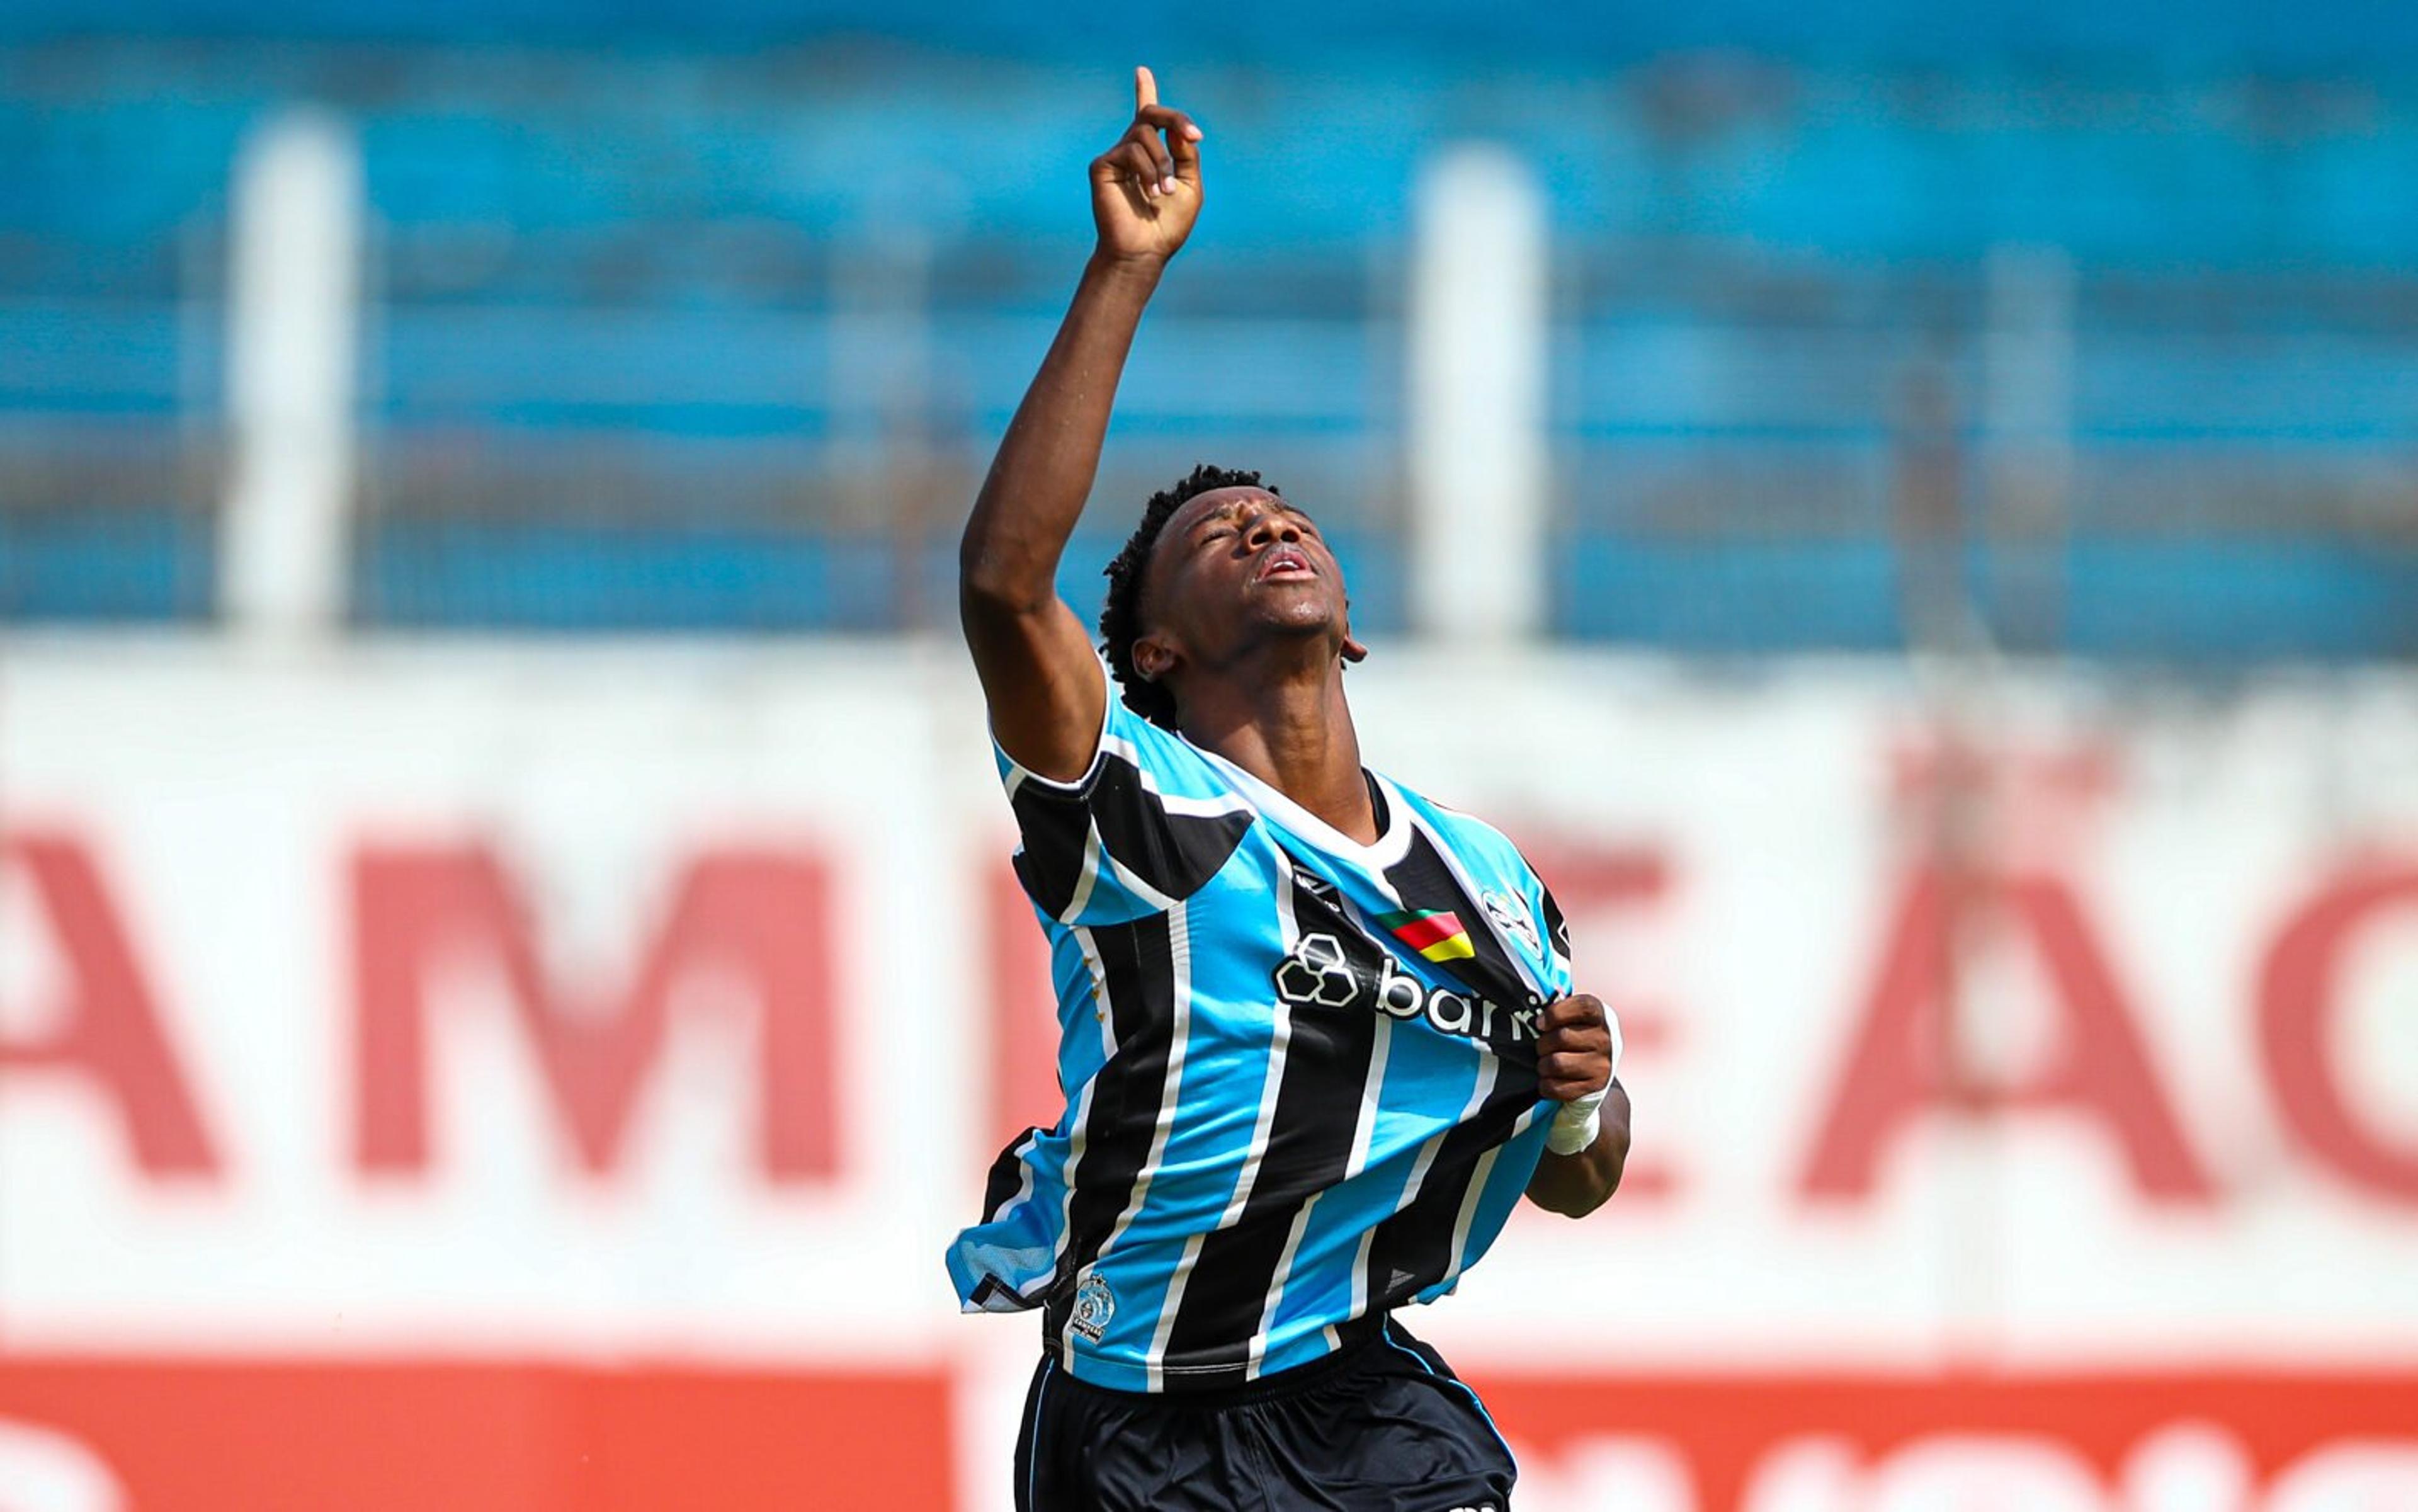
(1381, 1426)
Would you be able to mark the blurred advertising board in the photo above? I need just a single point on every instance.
(545, 1080)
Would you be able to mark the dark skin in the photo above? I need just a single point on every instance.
(1246, 622)
(1247, 627)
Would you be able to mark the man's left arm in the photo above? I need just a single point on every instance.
(1575, 1055)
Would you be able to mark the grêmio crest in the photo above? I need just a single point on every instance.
(1094, 1305)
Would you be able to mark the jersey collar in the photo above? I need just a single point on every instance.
(1391, 845)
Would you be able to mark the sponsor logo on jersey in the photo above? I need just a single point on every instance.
(1319, 973)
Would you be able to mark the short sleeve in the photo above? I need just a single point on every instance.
(1148, 824)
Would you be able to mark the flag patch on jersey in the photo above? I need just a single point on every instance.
(1436, 934)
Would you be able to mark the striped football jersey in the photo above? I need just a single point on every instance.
(1300, 1072)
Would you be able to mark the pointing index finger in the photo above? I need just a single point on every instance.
(1145, 90)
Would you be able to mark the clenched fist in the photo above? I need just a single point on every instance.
(1578, 1048)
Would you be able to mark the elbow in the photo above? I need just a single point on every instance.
(1586, 1180)
(1574, 1201)
(1573, 1186)
(990, 585)
(982, 578)
(1595, 1192)
(1560, 1204)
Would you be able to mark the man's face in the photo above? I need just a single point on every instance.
(1234, 565)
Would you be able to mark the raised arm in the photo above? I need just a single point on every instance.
(1035, 657)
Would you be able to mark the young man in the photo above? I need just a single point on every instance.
(1317, 1032)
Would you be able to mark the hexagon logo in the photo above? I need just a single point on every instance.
(1315, 973)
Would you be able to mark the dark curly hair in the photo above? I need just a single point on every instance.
(1121, 614)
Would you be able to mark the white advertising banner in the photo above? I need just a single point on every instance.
(644, 1007)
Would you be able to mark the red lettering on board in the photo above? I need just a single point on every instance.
(759, 918)
(1901, 1062)
(2298, 992)
(1995, 833)
(108, 1032)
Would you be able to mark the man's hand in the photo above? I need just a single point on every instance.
(1574, 1053)
(1578, 1050)
(1146, 189)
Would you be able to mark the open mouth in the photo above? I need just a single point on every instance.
(1284, 561)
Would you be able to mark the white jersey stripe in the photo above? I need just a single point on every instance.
(1023, 1193)
(1477, 1094)
(1477, 1189)
(1289, 934)
(1179, 941)
(1155, 1366)
(1372, 1091)
(1276, 1288)
(1151, 897)
(1079, 1138)
(1083, 885)
(1468, 1211)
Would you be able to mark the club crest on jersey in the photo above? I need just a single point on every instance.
(1509, 911)
(1318, 972)
(1094, 1305)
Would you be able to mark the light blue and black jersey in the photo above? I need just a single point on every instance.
(1300, 1072)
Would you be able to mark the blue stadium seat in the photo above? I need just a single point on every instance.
(674, 251)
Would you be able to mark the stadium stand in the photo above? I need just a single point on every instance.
(648, 346)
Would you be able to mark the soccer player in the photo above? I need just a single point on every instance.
(1317, 1030)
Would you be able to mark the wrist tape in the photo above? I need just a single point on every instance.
(1577, 1122)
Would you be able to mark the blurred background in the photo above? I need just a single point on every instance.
(509, 975)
